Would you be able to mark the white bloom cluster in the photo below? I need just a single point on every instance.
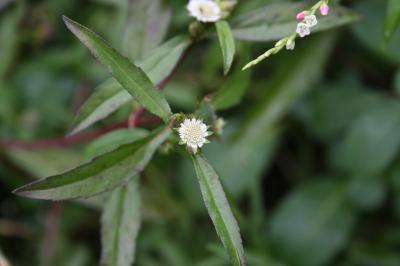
(205, 10)
(303, 28)
(193, 133)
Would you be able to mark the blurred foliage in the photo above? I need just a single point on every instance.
(309, 159)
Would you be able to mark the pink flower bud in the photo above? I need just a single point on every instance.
(324, 9)
(301, 15)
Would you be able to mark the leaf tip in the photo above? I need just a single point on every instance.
(226, 70)
(66, 19)
(21, 192)
(68, 22)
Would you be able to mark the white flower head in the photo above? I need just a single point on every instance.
(204, 10)
(193, 133)
(290, 45)
(303, 29)
(311, 21)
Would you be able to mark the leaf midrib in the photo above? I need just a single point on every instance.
(220, 216)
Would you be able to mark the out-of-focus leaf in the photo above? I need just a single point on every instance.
(394, 178)
(132, 78)
(103, 173)
(227, 44)
(370, 30)
(314, 217)
(147, 25)
(113, 140)
(79, 257)
(373, 255)
(110, 95)
(331, 109)
(44, 162)
(181, 96)
(234, 88)
(9, 20)
(367, 192)
(279, 20)
(372, 141)
(120, 225)
(219, 210)
(392, 21)
(120, 3)
(397, 82)
(162, 60)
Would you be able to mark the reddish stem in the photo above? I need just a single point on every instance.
(73, 139)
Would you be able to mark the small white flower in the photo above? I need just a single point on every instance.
(290, 45)
(303, 29)
(193, 133)
(311, 21)
(204, 10)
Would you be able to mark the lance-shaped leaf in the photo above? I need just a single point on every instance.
(227, 44)
(120, 224)
(131, 77)
(101, 174)
(278, 20)
(110, 95)
(219, 210)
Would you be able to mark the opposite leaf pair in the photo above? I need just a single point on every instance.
(121, 166)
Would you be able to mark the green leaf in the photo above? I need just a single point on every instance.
(374, 252)
(103, 173)
(227, 43)
(234, 88)
(331, 109)
(392, 21)
(112, 140)
(120, 224)
(107, 98)
(369, 32)
(373, 186)
(254, 27)
(9, 22)
(219, 210)
(46, 162)
(110, 95)
(397, 82)
(372, 141)
(146, 27)
(131, 77)
(316, 216)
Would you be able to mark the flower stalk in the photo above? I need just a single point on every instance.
(308, 20)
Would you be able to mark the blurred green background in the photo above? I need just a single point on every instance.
(310, 159)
